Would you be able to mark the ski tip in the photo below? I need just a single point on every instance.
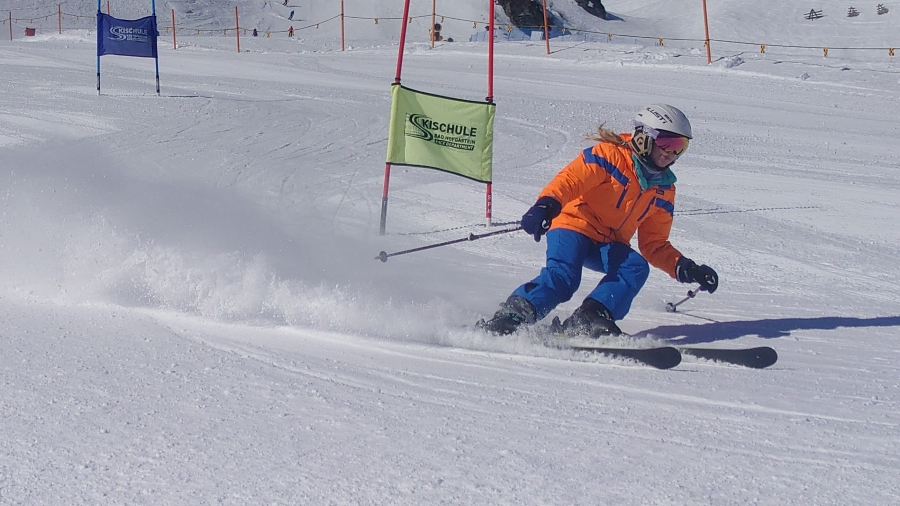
(767, 355)
(762, 357)
(754, 358)
(668, 359)
(665, 357)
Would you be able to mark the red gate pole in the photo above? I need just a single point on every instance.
(546, 28)
(384, 198)
(108, 12)
(59, 17)
(488, 198)
(387, 166)
(490, 97)
(237, 31)
(174, 42)
(402, 41)
(706, 26)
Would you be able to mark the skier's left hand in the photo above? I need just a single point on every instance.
(689, 272)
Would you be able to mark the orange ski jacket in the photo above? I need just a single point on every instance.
(602, 198)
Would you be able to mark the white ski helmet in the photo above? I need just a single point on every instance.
(656, 118)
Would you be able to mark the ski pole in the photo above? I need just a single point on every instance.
(383, 256)
(690, 295)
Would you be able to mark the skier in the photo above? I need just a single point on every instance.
(589, 213)
(291, 16)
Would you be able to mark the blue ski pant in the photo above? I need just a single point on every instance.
(567, 253)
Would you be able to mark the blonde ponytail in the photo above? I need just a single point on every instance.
(606, 135)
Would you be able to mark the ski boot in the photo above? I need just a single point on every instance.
(513, 313)
(591, 319)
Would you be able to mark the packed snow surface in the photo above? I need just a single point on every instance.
(192, 311)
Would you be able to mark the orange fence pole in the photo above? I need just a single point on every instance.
(706, 26)
(433, 2)
(108, 13)
(174, 43)
(237, 31)
(546, 28)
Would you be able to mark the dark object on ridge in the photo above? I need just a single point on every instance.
(594, 7)
(525, 13)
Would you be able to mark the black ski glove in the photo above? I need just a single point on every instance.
(537, 220)
(687, 271)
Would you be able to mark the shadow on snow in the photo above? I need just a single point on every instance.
(768, 328)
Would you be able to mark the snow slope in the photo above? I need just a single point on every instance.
(192, 312)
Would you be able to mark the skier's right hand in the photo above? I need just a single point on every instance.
(537, 220)
(687, 271)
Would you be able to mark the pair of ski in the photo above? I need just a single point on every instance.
(667, 357)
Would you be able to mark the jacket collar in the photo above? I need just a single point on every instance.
(649, 177)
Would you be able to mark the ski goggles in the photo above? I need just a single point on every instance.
(676, 145)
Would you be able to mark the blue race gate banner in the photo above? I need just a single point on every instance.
(126, 37)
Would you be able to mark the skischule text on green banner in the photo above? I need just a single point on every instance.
(441, 133)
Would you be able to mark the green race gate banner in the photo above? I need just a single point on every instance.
(441, 133)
